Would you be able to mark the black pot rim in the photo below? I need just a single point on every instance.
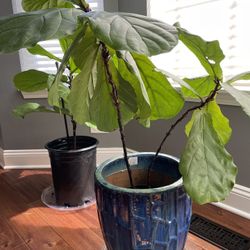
(99, 177)
(58, 140)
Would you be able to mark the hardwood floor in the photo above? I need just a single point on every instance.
(25, 223)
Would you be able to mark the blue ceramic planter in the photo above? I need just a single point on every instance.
(133, 219)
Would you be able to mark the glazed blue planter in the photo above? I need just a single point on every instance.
(143, 218)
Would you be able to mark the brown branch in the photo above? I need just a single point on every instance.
(168, 133)
(115, 98)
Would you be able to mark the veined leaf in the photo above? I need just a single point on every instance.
(31, 5)
(129, 71)
(208, 53)
(27, 108)
(207, 168)
(39, 50)
(102, 110)
(31, 80)
(27, 29)
(79, 95)
(240, 96)
(132, 32)
(165, 101)
(242, 76)
(82, 49)
(202, 85)
(219, 121)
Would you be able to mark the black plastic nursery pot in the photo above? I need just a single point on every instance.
(143, 218)
(73, 169)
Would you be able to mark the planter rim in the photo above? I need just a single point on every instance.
(95, 141)
(99, 177)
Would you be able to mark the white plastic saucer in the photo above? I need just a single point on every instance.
(48, 198)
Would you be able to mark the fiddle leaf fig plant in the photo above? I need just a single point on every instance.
(106, 78)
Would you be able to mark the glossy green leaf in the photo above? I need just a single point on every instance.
(165, 101)
(102, 110)
(32, 5)
(207, 168)
(129, 71)
(31, 80)
(27, 108)
(132, 32)
(219, 121)
(240, 96)
(39, 50)
(208, 53)
(79, 95)
(242, 76)
(82, 49)
(27, 29)
(202, 85)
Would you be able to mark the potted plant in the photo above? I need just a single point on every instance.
(142, 203)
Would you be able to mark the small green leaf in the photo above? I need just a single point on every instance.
(242, 76)
(207, 168)
(31, 5)
(219, 121)
(25, 30)
(27, 108)
(31, 80)
(39, 50)
(240, 96)
(202, 85)
(132, 32)
(165, 101)
(208, 53)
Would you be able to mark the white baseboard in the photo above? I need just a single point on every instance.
(238, 202)
(39, 159)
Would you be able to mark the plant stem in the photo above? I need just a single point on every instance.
(115, 97)
(168, 133)
(64, 116)
(74, 125)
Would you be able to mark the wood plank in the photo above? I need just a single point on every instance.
(224, 217)
(25, 222)
(78, 232)
(9, 239)
(196, 243)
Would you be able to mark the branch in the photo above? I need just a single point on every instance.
(168, 133)
(115, 97)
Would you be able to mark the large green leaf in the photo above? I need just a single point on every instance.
(31, 5)
(208, 53)
(27, 29)
(132, 32)
(39, 50)
(219, 121)
(240, 96)
(129, 71)
(79, 96)
(207, 168)
(165, 101)
(83, 48)
(102, 110)
(202, 85)
(31, 80)
(30, 107)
